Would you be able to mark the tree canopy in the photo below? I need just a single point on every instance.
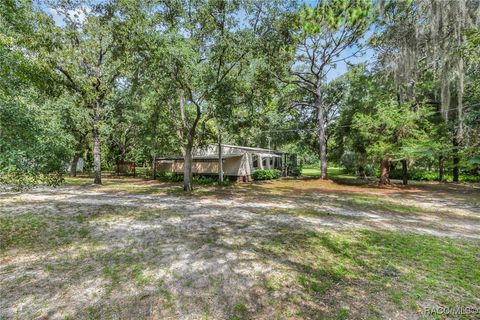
(132, 80)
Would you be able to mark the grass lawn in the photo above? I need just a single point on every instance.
(288, 249)
(314, 171)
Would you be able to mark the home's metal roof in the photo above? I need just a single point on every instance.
(266, 155)
(252, 148)
(204, 157)
(228, 154)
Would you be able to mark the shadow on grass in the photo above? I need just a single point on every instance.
(158, 263)
(419, 269)
(144, 262)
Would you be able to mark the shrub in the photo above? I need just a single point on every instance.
(178, 177)
(425, 175)
(20, 181)
(469, 178)
(203, 180)
(294, 172)
(266, 174)
(143, 172)
(170, 177)
(414, 174)
(348, 161)
(370, 170)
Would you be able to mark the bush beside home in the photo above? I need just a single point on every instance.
(266, 174)
(197, 179)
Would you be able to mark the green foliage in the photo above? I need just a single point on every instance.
(33, 144)
(373, 124)
(349, 162)
(170, 177)
(240, 312)
(159, 80)
(390, 130)
(473, 43)
(334, 14)
(204, 180)
(295, 172)
(33, 147)
(197, 179)
(266, 174)
(425, 175)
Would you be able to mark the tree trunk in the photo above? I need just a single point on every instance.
(384, 170)
(123, 152)
(154, 167)
(97, 166)
(97, 171)
(187, 169)
(392, 166)
(322, 142)
(405, 172)
(220, 161)
(361, 173)
(73, 166)
(441, 168)
(456, 160)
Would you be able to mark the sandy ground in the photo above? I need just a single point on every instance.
(193, 257)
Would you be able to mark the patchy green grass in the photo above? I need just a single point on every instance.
(171, 255)
(36, 230)
(314, 171)
(125, 185)
(361, 203)
(306, 212)
(239, 311)
(310, 172)
(410, 268)
(78, 181)
(378, 203)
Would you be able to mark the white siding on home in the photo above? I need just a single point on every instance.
(238, 161)
(237, 166)
(197, 167)
(233, 166)
(79, 165)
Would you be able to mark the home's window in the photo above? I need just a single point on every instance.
(255, 160)
(264, 162)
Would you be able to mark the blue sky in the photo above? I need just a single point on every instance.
(342, 66)
(368, 55)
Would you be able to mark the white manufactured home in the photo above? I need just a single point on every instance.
(238, 162)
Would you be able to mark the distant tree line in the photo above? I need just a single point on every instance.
(120, 80)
